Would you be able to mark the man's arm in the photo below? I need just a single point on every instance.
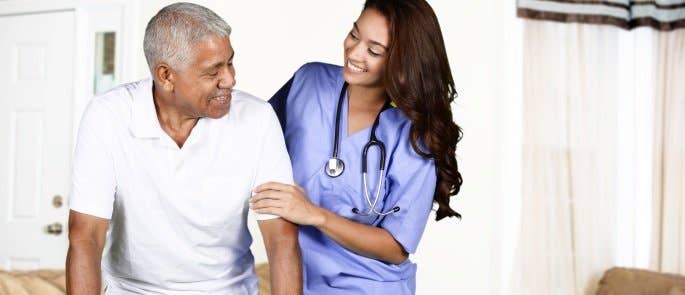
(283, 252)
(86, 241)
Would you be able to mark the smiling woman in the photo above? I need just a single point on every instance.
(385, 113)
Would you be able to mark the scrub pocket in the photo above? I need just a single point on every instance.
(343, 198)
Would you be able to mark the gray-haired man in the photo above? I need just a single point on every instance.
(165, 166)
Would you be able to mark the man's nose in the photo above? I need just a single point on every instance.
(227, 78)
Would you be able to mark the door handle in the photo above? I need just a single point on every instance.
(57, 201)
(54, 229)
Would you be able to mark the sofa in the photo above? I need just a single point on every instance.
(52, 282)
(627, 281)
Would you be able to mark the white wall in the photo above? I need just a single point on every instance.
(273, 38)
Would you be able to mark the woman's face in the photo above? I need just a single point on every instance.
(366, 50)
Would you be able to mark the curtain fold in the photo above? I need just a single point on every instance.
(669, 168)
(567, 237)
(662, 15)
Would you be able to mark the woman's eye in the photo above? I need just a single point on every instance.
(354, 37)
(374, 54)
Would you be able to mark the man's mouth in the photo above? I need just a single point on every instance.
(221, 98)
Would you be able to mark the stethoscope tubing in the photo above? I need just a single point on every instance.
(335, 166)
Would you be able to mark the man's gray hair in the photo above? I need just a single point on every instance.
(172, 32)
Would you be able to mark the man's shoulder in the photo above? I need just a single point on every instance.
(246, 104)
(247, 98)
(122, 96)
(249, 112)
(114, 107)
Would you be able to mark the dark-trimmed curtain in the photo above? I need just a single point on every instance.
(663, 15)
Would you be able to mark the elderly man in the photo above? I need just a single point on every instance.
(168, 169)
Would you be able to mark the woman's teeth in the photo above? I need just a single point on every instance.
(355, 68)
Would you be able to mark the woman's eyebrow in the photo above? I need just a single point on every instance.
(374, 42)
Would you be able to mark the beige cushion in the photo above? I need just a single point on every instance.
(51, 282)
(262, 270)
(625, 281)
(44, 282)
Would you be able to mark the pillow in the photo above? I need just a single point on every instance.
(625, 281)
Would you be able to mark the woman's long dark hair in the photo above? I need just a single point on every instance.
(419, 80)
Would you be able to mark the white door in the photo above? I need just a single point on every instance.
(36, 103)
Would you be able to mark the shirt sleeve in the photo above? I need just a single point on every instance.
(279, 102)
(93, 179)
(412, 186)
(274, 162)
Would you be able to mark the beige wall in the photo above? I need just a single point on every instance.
(273, 38)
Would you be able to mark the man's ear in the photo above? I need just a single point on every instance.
(165, 76)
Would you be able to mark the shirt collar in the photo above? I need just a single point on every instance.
(144, 121)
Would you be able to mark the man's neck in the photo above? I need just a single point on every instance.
(173, 121)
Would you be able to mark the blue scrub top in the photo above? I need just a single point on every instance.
(306, 108)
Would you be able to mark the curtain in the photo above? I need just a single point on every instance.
(669, 168)
(603, 164)
(567, 236)
(660, 14)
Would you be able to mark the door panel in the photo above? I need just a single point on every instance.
(36, 103)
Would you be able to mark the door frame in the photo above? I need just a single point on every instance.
(90, 18)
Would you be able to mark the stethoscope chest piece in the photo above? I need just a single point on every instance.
(334, 167)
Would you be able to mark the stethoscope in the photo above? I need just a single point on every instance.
(335, 166)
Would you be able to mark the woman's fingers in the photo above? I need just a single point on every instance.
(270, 210)
(287, 201)
(273, 186)
(267, 203)
(268, 194)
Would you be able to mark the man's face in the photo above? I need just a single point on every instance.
(203, 87)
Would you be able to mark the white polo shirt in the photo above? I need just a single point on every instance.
(178, 215)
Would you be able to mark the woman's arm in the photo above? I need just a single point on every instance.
(291, 203)
(366, 240)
